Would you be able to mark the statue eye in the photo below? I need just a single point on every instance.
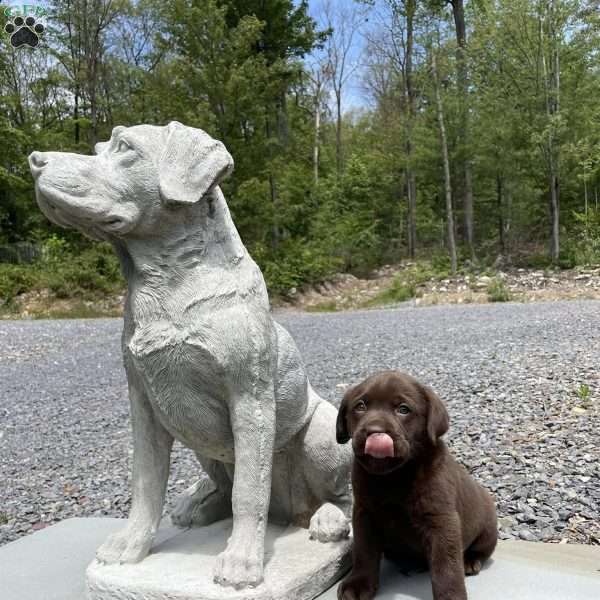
(403, 409)
(123, 146)
(360, 406)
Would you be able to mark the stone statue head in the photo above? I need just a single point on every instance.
(140, 177)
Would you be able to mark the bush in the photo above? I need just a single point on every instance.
(400, 291)
(296, 263)
(584, 248)
(498, 292)
(16, 279)
(67, 273)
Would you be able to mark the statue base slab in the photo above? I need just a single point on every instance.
(180, 567)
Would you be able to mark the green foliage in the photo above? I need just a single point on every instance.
(584, 246)
(584, 393)
(399, 291)
(498, 292)
(235, 68)
(16, 279)
(295, 264)
(405, 284)
(328, 306)
(81, 274)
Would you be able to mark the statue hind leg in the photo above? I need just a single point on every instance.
(209, 499)
(327, 467)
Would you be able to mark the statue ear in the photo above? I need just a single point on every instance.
(438, 420)
(191, 164)
(342, 435)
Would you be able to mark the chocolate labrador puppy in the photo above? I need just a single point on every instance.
(412, 500)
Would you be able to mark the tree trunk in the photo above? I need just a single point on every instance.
(411, 181)
(338, 132)
(316, 148)
(282, 120)
(411, 189)
(552, 90)
(458, 11)
(446, 160)
(76, 115)
(275, 233)
(500, 201)
(508, 221)
(585, 194)
(554, 213)
(317, 139)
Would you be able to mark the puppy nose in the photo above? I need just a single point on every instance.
(376, 428)
(37, 161)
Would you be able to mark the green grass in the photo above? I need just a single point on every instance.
(498, 292)
(399, 291)
(78, 311)
(328, 306)
(406, 283)
(584, 393)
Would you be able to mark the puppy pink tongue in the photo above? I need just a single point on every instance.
(379, 445)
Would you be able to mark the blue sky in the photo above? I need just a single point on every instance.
(353, 97)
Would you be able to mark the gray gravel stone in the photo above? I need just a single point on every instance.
(510, 375)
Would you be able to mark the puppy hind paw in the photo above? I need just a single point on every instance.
(472, 566)
(329, 524)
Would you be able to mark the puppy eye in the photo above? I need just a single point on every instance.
(360, 406)
(123, 146)
(403, 409)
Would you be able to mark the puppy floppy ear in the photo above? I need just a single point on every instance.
(191, 164)
(438, 420)
(342, 435)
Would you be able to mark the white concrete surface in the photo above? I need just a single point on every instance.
(517, 571)
(50, 565)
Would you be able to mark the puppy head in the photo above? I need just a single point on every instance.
(133, 184)
(391, 419)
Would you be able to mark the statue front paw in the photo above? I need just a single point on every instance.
(200, 505)
(239, 566)
(329, 524)
(130, 545)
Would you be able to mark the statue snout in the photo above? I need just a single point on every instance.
(37, 162)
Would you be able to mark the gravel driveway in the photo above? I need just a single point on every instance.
(521, 382)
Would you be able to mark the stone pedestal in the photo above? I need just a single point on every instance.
(180, 567)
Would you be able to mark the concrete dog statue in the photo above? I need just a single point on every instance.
(206, 364)
(412, 500)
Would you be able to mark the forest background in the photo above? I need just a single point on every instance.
(460, 135)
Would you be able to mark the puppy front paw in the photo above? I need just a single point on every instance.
(130, 545)
(357, 587)
(329, 524)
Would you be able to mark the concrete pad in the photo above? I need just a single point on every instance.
(181, 567)
(50, 565)
(517, 571)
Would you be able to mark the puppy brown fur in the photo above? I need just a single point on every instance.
(412, 500)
